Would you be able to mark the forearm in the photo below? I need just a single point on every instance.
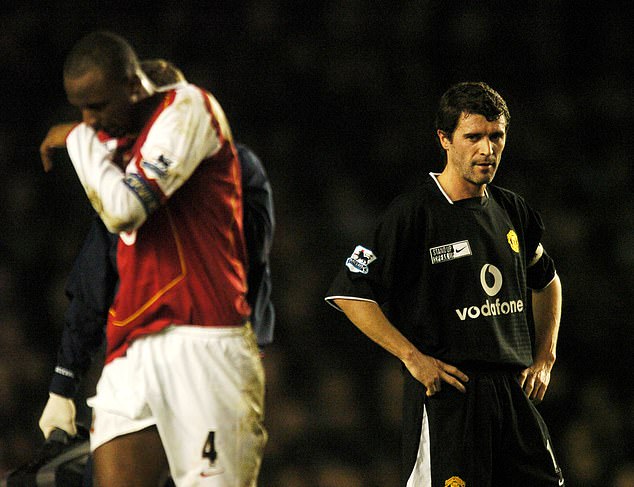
(79, 345)
(90, 288)
(55, 139)
(121, 201)
(547, 316)
(370, 319)
(429, 371)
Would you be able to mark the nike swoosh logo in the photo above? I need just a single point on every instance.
(460, 249)
(210, 472)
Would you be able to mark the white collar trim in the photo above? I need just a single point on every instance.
(434, 176)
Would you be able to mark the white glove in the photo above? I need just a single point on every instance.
(59, 412)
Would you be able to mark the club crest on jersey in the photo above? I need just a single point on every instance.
(455, 482)
(513, 241)
(360, 259)
(451, 251)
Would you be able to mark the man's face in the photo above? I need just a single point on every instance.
(105, 104)
(475, 149)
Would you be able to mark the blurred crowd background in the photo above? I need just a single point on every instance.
(338, 99)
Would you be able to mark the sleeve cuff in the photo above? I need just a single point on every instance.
(331, 300)
(64, 382)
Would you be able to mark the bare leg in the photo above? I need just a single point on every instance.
(133, 460)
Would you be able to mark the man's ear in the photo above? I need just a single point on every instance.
(444, 139)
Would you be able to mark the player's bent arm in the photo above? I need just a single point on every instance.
(55, 138)
(119, 199)
(547, 315)
(370, 319)
(188, 131)
(179, 139)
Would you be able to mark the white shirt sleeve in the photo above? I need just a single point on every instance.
(104, 183)
(182, 136)
(178, 140)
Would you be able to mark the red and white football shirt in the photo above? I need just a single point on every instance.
(178, 209)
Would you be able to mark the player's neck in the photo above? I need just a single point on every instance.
(458, 188)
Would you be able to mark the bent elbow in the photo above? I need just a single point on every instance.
(119, 222)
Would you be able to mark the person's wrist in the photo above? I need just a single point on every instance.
(64, 382)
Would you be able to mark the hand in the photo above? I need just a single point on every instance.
(59, 412)
(432, 372)
(55, 139)
(535, 379)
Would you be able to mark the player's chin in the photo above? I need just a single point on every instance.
(485, 173)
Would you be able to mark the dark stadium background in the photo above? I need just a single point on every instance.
(338, 100)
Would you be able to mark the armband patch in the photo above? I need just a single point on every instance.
(141, 188)
(360, 259)
(159, 166)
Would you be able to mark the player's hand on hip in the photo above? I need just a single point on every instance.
(432, 372)
(55, 139)
(60, 413)
(534, 380)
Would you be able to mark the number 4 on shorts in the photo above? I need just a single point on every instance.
(209, 450)
(210, 453)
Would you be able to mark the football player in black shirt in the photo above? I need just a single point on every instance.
(444, 286)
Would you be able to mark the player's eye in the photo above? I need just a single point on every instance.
(497, 137)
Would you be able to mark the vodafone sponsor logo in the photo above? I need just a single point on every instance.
(491, 281)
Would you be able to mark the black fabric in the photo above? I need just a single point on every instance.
(90, 289)
(436, 264)
(413, 401)
(490, 436)
(259, 229)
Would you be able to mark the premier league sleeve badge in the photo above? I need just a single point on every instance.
(360, 259)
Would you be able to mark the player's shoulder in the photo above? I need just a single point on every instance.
(249, 159)
(185, 103)
(513, 203)
(184, 92)
(505, 196)
(184, 97)
(413, 204)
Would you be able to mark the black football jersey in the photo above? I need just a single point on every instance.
(452, 276)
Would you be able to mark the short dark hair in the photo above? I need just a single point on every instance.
(473, 97)
(102, 50)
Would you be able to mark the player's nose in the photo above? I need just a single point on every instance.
(486, 146)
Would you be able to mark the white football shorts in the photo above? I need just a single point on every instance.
(203, 388)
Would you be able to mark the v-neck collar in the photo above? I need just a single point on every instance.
(467, 201)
